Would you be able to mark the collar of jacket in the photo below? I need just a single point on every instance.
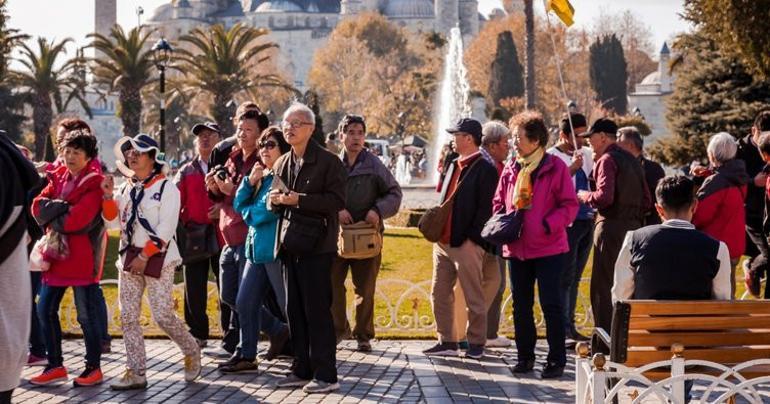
(311, 152)
(364, 164)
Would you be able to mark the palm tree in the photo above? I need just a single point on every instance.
(124, 65)
(529, 15)
(11, 103)
(45, 85)
(224, 63)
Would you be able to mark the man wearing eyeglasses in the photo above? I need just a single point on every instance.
(310, 193)
(373, 194)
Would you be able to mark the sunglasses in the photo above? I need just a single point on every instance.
(269, 145)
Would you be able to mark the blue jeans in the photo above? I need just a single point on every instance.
(547, 272)
(102, 321)
(231, 263)
(252, 314)
(580, 237)
(36, 343)
(86, 303)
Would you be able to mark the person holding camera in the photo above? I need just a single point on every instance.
(202, 239)
(222, 183)
(312, 194)
(372, 195)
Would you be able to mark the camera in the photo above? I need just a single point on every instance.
(221, 172)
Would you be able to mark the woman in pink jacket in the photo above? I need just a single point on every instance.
(540, 187)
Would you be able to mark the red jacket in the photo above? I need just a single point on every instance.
(195, 203)
(81, 224)
(720, 212)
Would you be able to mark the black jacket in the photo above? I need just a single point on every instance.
(755, 196)
(472, 206)
(321, 183)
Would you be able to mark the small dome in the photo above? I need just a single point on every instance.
(651, 79)
(278, 6)
(409, 8)
(162, 13)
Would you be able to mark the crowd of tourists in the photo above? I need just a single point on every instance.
(280, 221)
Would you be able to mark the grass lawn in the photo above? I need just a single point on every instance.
(402, 308)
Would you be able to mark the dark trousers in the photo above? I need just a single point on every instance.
(760, 262)
(36, 343)
(102, 322)
(196, 278)
(493, 315)
(580, 237)
(309, 289)
(547, 272)
(608, 240)
(231, 263)
(87, 312)
(5, 396)
(364, 273)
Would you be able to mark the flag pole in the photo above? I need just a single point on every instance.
(561, 76)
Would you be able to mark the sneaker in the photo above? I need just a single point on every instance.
(552, 371)
(90, 377)
(217, 353)
(34, 360)
(525, 366)
(130, 381)
(192, 367)
(318, 386)
(292, 380)
(231, 361)
(463, 345)
(500, 342)
(277, 343)
(106, 347)
(364, 346)
(443, 349)
(241, 366)
(50, 375)
(475, 351)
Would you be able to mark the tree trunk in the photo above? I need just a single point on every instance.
(530, 41)
(42, 115)
(130, 110)
(223, 113)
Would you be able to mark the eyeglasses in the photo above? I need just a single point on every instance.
(269, 145)
(294, 124)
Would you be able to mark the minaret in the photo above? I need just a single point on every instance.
(350, 7)
(468, 13)
(664, 70)
(447, 15)
(105, 16)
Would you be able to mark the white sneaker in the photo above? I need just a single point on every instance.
(192, 367)
(317, 386)
(130, 381)
(500, 342)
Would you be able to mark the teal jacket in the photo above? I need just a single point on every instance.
(263, 224)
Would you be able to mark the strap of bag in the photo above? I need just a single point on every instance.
(460, 182)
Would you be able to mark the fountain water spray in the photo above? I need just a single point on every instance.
(454, 97)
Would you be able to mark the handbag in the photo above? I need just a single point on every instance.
(154, 263)
(503, 228)
(433, 221)
(359, 240)
(301, 233)
(198, 241)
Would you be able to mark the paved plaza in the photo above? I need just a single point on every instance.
(396, 371)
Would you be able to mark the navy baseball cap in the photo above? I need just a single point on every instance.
(196, 130)
(601, 125)
(467, 125)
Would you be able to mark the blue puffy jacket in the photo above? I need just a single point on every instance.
(263, 224)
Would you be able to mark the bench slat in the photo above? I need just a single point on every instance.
(726, 356)
(674, 307)
(698, 323)
(694, 338)
(749, 373)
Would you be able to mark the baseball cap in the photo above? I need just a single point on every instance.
(603, 125)
(206, 125)
(469, 126)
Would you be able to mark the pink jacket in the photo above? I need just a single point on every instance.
(554, 207)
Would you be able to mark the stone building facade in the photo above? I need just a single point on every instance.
(649, 97)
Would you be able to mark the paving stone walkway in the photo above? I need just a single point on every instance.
(396, 371)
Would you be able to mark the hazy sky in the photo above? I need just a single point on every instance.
(74, 18)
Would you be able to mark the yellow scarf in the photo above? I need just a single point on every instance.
(522, 190)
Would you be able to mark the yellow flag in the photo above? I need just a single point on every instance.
(563, 10)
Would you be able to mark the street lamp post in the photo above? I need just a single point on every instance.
(162, 54)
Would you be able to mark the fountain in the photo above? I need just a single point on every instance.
(454, 98)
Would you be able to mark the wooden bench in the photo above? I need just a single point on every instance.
(725, 332)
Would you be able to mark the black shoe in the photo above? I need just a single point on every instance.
(241, 366)
(364, 346)
(232, 361)
(277, 343)
(578, 336)
(443, 349)
(475, 351)
(525, 366)
(552, 371)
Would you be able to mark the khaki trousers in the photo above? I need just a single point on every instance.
(364, 273)
(465, 264)
(491, 278)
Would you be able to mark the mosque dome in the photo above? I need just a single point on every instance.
(409, 8)
(162, 13)
(651, 79)
(278, 6)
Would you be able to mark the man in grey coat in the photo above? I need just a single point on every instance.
(372, 196)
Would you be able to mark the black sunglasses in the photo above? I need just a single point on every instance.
(269, 145)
